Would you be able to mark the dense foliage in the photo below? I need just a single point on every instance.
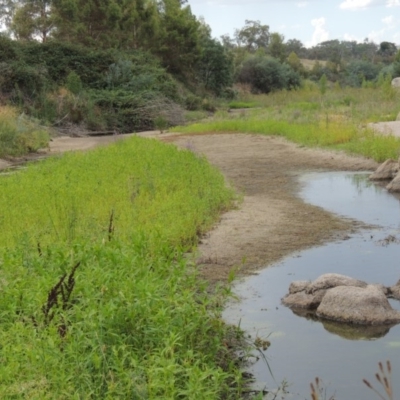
(109, 65)
(122, 65)
(266, 74)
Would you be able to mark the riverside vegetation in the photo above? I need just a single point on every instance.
(98, 296)
(330, 117)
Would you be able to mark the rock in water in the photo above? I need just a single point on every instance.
(357, 305)
(394, 186)
(386, 171)
(327, 281)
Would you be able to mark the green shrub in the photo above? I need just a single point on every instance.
(74, 83)
(266, 74)
(192, 102)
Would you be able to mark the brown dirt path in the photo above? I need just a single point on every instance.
(272, 221)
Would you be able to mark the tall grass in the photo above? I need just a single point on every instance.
(335, 120)
(153, 191)
(19, 134)
(98, 300)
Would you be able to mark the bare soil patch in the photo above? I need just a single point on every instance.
(271, 221)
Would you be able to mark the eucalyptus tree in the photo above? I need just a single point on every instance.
(7, 8)
(253, 36)
(27, 19)
(178, 41)
(276, 47)
(32, 19)
(106, 23)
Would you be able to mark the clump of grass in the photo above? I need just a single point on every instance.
(318, 392)
(19, 134)
(242, 104)
(385, 380)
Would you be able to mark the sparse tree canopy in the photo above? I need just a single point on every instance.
(32, 19)
(276, 46)
(253, 36)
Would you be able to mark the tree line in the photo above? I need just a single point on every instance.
(348, 63)
(125, 64)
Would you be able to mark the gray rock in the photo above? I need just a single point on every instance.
(386, 171)
(394, 185)
(298, 286)
(394, 291)
(358, 305)
(382, 288)
(396, 83)
(302, 300)
(328, 281)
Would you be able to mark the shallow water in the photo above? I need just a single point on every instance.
(301, 348)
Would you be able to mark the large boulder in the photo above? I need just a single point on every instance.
(358, 305)
(386, 171)
(308, 295)
(344, 299)
(327, 281)
(394, 185)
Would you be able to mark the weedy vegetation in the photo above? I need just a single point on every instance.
(384, 378)
(20, 134)
(336, 119)
(99, 299)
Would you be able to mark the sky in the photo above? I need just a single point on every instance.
(310, 21)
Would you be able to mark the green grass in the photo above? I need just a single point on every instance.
(152, 190)
(335, 120)
(131, 320)
(242, 104)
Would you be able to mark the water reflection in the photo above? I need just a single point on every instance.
(304, 347)
(353, 196)
(346, 331)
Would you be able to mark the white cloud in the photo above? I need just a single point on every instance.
(393, 3)
(357, 4)
(376, 36)
(388, 21)
(303, 4)
(320, 34)
(351, 38)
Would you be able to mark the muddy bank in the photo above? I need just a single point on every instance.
(272, 221)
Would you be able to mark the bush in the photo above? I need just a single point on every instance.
(266, 74)
(359, 71)
(125, 111)
(192, 102)
(20, 135)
